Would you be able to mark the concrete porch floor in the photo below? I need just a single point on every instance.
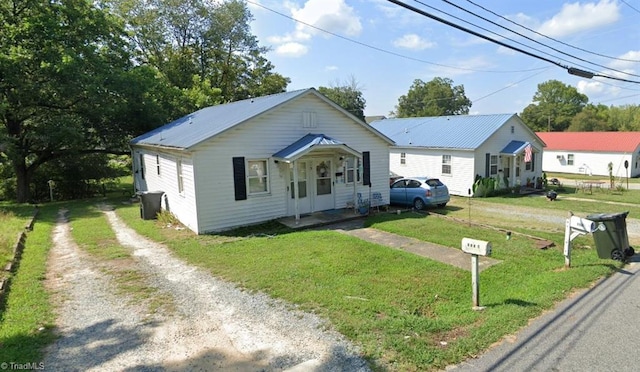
(320, 218)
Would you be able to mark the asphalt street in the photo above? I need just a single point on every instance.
(595, 330)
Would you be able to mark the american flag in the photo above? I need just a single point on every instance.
(528, 154)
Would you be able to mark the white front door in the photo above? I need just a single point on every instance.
(323, 187)
(304, 199)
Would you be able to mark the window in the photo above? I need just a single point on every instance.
(569, 159)
(513, 129)
(158, 164)
(258, 177)
(180, 180)
(350, 170)
(446, 164)
(403, 158)
(493, 165)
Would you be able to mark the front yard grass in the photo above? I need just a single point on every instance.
(406, 312)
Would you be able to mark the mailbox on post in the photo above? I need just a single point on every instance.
(476, 248)
(575, 226)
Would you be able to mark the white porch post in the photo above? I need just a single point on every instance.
(295, 191)
(512, 181)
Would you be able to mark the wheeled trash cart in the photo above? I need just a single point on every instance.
(611, 236)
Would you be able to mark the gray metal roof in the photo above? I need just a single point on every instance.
(454, 132)
(203, 124)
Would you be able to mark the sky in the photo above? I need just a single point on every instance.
(384, 48)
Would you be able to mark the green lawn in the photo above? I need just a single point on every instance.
(407, 312)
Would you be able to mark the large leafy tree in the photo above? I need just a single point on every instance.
(625, 118)
(348, 96)
(592, 118)
(555, 105)
(63, 67)
(202, 41)
(437, 97)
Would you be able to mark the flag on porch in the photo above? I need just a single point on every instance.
(528, 153)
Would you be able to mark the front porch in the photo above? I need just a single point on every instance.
(321, 218)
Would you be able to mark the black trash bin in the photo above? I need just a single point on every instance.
(611, 236)
(150, 204)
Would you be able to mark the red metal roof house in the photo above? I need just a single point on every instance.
(590, 153)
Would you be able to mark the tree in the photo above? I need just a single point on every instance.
(555, 105)
(436, 98)
(348, 96)
(625, 118)
(591, 119)
(62, 69)
(202, 41)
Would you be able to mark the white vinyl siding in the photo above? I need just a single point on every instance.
(589, 163)
(260, 138)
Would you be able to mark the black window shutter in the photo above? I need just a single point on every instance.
(487, 164)
(366, 169)
(239, 179)
(533, 161)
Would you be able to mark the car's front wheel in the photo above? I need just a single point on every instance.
(418, 204)
(442, 205)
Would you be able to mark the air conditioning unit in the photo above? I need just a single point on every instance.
(559, 156)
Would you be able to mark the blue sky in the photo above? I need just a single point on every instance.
(385, 47)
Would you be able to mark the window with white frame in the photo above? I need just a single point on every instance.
(350, 170)
(403, 158)
(493, 165)
(258, 177)
(179, 174)
(446, 164)
(569, 159)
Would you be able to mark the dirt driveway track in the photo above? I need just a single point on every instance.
(215, 326)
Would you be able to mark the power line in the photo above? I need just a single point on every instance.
(515, 41)
(550, 38)
(384, 50)
(629, 5)
(521, 35)
(571, 70)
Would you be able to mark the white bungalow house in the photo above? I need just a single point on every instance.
(250, 161)
(458, 149)
(589, 153)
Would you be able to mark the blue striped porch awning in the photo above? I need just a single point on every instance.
(514, 148)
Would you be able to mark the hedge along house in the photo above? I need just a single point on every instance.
(259, 159)
(457, 149)
(589, 153)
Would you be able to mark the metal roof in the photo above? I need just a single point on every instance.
(203, 124)
(455, 132)
(514, 147)
(591, 141)
(307, 144)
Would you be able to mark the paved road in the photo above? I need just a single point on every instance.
(595, 330)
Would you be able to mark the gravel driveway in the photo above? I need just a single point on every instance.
(215, 325)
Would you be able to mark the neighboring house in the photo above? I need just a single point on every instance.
(250, 161)
(590, 153)
(456, 149)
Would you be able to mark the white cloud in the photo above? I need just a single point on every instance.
(590, 87)
(292, 49)
(413, 42)
(625, 61)
(578, 17)
(330, 15)
(331, 68)
(334, 16)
